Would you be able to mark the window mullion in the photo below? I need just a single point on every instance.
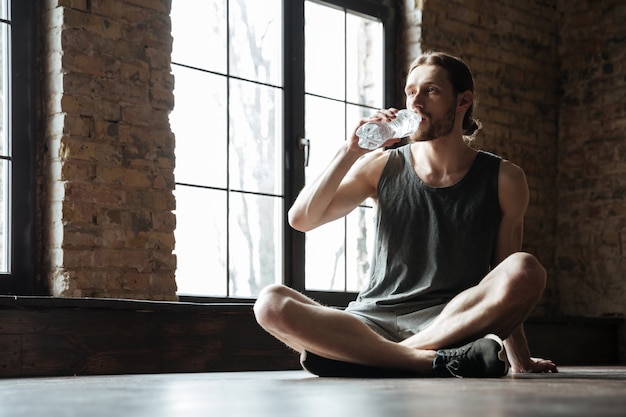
(293, 81)
(21, 131)
(228, 213)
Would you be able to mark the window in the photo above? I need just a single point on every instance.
(228, 127)
(5, 150)
(17, 167)
(256, 89)
(337, 95)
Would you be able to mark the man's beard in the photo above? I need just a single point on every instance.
(438, 128)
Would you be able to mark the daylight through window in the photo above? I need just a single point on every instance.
(229, 123)
(5, 149)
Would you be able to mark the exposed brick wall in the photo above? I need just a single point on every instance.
(109, 174)
(551, 83)
(511, 48)
(591, 254)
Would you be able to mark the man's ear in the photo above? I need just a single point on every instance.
(464, 100)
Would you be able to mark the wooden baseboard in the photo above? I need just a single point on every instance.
(575, 340)
(49, 337)
(44, 336)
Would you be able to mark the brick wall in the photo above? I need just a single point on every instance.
(510, 47)
(551, 81)
(110, 151)
(591, 254)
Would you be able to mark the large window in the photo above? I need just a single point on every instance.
(17, 185)
(338, 94)
(228, 126)
(265, 92)
(5, 148)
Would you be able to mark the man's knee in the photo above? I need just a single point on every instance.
(269, 306)
(526, 275)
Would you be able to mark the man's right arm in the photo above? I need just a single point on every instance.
(343, 185)
(350, 178)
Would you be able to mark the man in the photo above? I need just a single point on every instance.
(447, 267)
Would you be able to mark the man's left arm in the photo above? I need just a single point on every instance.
(514, 196)
(518, 353)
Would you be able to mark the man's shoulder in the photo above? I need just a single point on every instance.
(489, 155)
(512, 186)
(506, 167)
(368, 169)
(511, 171)
(374, 161)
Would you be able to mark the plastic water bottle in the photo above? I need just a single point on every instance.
(373, 134)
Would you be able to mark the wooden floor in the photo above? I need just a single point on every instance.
(575, 391)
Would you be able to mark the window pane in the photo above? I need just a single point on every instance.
(4, 216)
(256, 138)
(359, 247)
(5, 149)
(199, 31)
(241, 150)
(364, 61)
(325, 257)
(200, 241)
(324, 51)
(325, 127)
(256, 40)
(4, 90)
(324, 252)
(354, 45)
(255, 243)
(200, 145)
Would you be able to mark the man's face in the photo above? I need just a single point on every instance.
(429, 93)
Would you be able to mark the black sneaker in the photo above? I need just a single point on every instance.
(483, 358)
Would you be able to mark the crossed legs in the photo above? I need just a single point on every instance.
(498, 304)
(303, 324)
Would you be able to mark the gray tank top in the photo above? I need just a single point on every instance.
(432, 242)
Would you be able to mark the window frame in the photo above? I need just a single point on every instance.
(294, 259)
(293, 131)
(21, 278)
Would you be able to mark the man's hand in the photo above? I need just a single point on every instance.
(536, 365)
(383, 115)
(519, 355)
